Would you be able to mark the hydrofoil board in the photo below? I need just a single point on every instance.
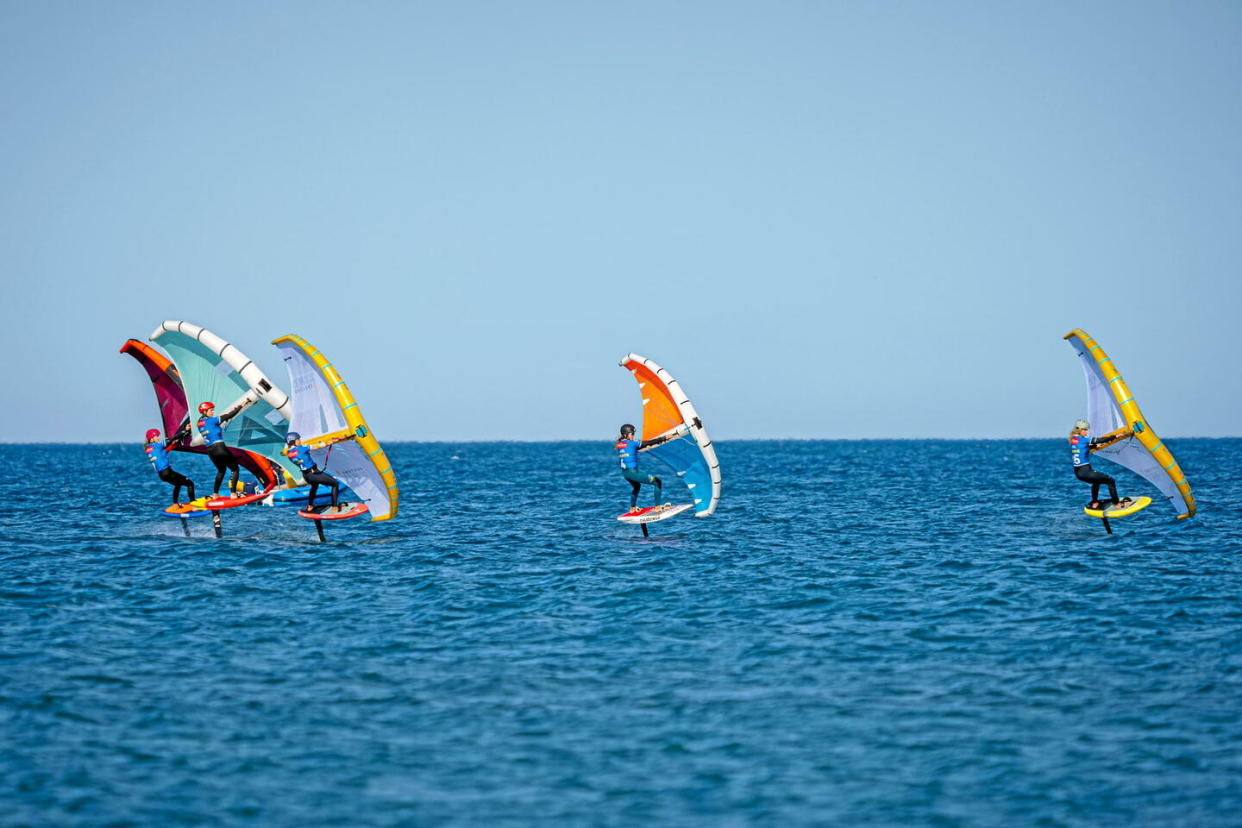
(1137, 504)
(298, 496)
(233, 502)
(347, 510)
(194, 508)
(653, 513)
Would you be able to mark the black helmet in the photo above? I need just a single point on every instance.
(292, 437)
(627, 430)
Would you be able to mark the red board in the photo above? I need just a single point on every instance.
(350, 510)
(232, 502)
(653, 513)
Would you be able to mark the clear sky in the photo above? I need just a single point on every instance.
(828, 219)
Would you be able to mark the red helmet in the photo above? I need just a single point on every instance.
(153, 434)
(203, 408)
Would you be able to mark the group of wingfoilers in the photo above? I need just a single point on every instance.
(312, 450)
(315, 449)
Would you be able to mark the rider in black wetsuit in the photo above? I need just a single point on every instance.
(212, 429)
(313, 475)
(157, 453)
(1080, 447)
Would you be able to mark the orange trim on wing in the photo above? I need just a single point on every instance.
(162, 362)
(660, 411)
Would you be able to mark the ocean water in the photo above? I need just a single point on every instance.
(867, 633)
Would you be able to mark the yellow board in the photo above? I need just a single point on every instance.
(1137, 422)
(1137, 505)
(359, 430)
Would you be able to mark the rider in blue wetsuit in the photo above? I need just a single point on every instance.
(211, 428)
(1080, 453)
(627, 451)
(301, 456)
(157, 453)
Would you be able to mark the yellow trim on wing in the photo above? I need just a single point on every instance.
(1134, 417)
(349, 407)
(325, 440)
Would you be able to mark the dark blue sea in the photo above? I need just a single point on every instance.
(866, 633)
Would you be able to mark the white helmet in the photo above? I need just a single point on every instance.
(1082, 424)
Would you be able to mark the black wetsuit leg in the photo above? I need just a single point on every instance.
(1089, 475)
(177, 481)
(223, 459)
(317, 478)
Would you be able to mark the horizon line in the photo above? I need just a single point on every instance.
(610, 439)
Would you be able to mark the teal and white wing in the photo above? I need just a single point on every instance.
(216, 371)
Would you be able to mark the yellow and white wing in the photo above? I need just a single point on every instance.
(327, 417)
(1112, 408)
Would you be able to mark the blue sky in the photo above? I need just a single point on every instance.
(827, 219)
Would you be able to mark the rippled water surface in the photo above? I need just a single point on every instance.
(865, 633)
